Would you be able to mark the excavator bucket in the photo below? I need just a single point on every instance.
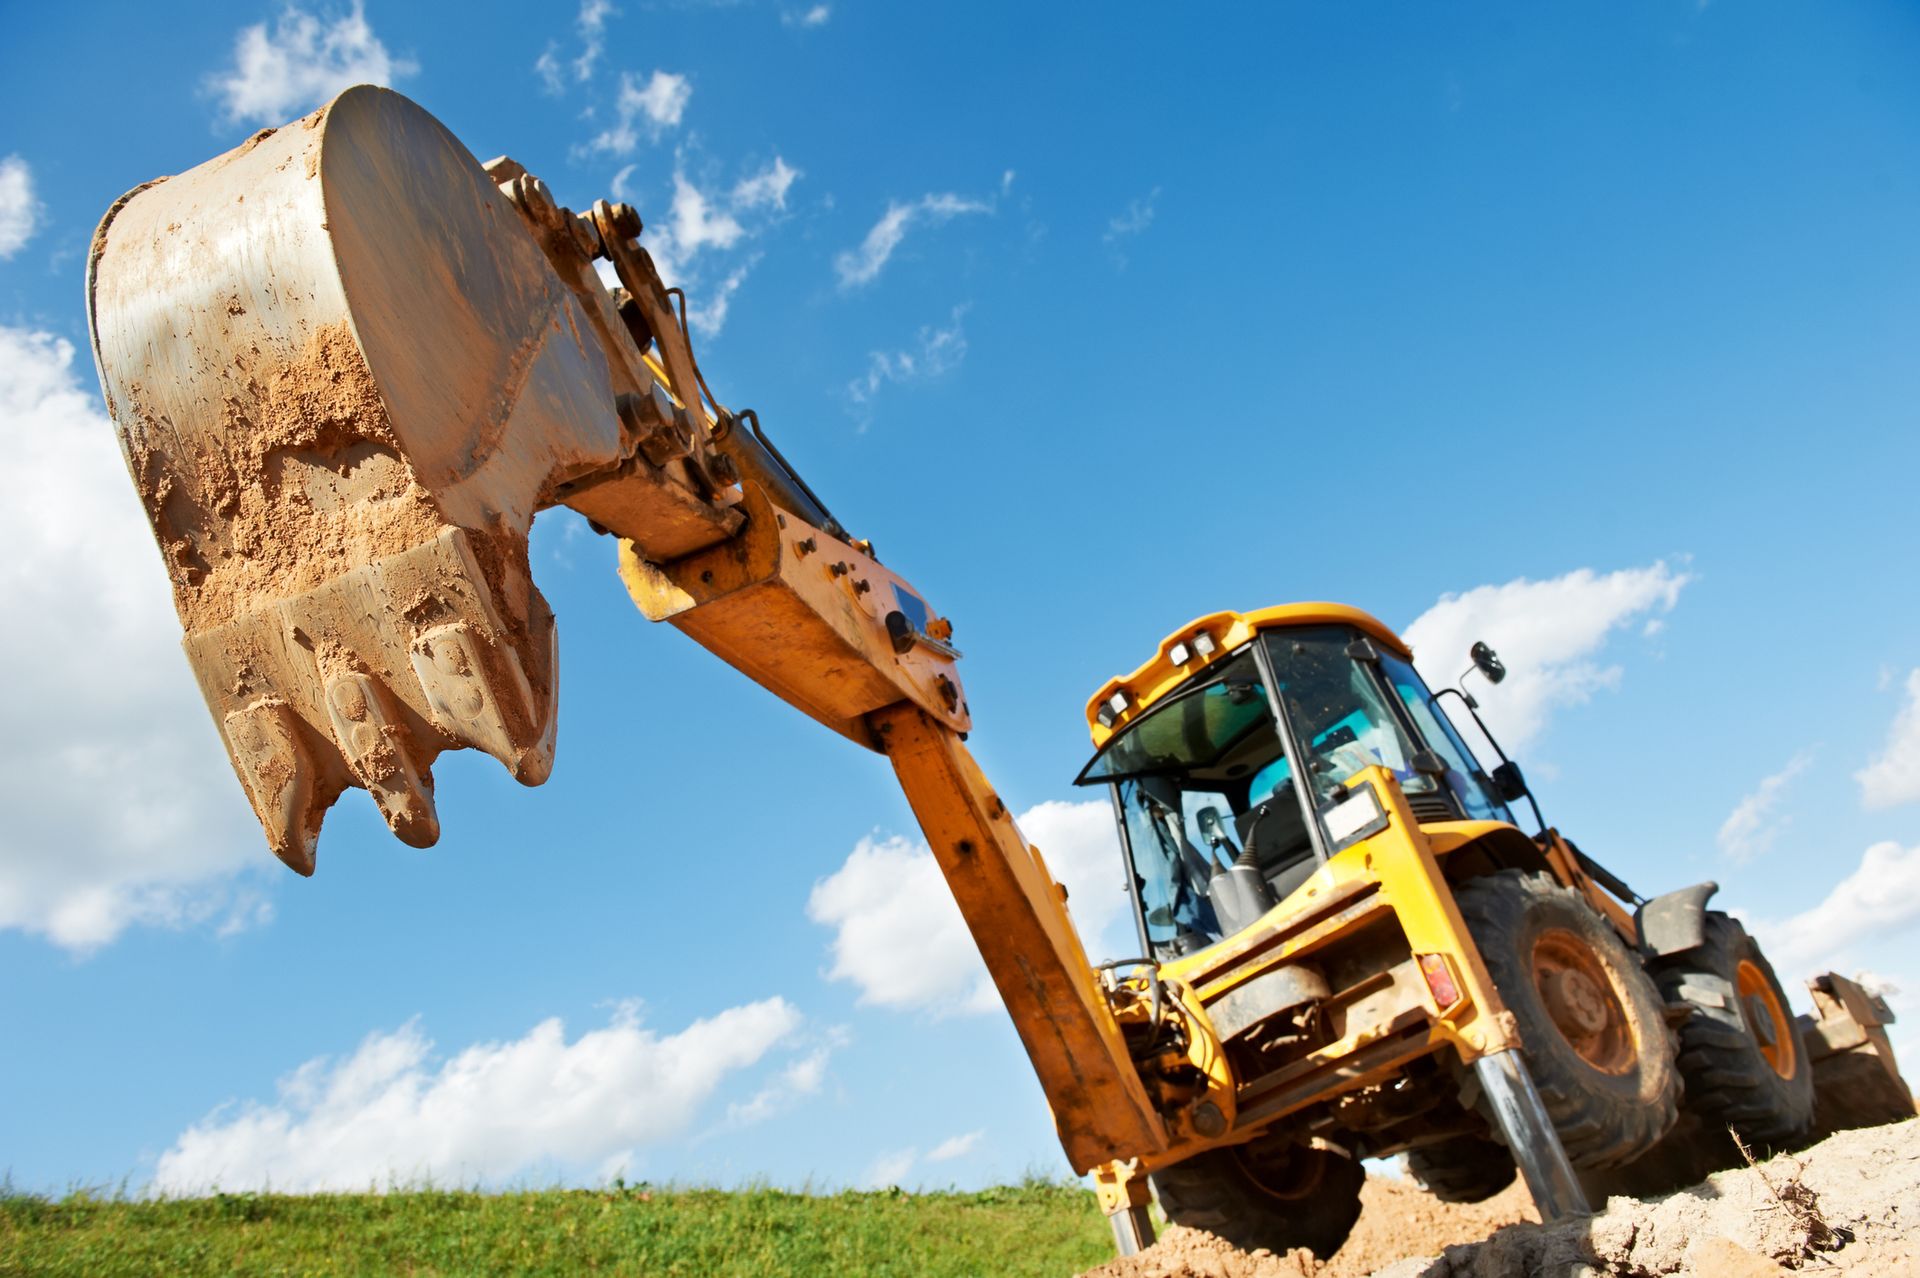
(1856, 1081)
(347, 366)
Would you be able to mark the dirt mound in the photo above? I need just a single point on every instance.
(1850, 1204)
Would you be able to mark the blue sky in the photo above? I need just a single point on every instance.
(1589, 332)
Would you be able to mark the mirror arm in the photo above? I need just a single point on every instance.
(1493, 741)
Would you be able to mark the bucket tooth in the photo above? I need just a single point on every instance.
(479, 696)
(264, 739)
(376, 746)
(535, 763)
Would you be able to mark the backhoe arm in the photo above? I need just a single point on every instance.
(348, 365)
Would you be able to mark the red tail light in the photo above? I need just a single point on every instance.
(1440, 980)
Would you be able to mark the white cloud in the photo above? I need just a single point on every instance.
(769, 186)
(862, 265)
(1894, 777)
(1880, 899)
(19, 210)
(954, 1147)
(888, 1169)
(1137, 217)
(390, 1114)
(699, 227)
(121, 807)
(899, 937)
(897, 933)
(697, 223)
(815, 17)
(302, 62)
(709, 315)
(591, 23)
(547, 67)
(1549, 633)
(937, 351)
(656, 105)
(1747, 832)
(798, 1079)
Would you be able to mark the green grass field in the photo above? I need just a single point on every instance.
(1035, 1228)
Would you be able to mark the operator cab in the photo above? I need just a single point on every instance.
(1217, 822)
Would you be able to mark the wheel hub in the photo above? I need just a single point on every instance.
(1767, 1021)
(1579, 998)
(1575, 1002)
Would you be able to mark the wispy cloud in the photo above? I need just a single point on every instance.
(937, 350)
(301, 62)
(393, 1113)
(1136, 218)
(799, 1079)
(710, 316)
(954, 1147)
(1750, 828)
(590, 23)
(653, 106)
(767, 188)
(706, 232)
(19, 210)
(1893, 776)
(888, 1169)
(814, 17)
(863, 264)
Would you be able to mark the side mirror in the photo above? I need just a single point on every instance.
(1488, 662)
(1212, 829)
(1508, 783)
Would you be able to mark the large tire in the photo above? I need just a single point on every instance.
(1462, 1169)
(1278, 1197)
(1740, 1052)
(1591, 1022)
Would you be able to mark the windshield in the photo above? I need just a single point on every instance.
(1214, 826)
(1463, 776)
(1338, 710)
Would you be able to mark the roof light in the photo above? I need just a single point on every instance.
(1118, 704)
(1180, 653)
(1203, 644)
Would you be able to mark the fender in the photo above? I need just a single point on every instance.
(1674, 921)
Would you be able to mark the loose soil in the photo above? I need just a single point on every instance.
(1850, 1204)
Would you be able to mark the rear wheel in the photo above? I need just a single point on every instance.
(1740, 1052)
(1591, 1022)
(1462, 1169)
(1274, 1196)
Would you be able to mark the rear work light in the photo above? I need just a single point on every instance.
(1440, 980)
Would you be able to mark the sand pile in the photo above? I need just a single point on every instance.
(1850, 1204)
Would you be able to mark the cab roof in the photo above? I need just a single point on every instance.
(1205, 640)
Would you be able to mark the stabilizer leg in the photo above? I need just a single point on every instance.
(1530, 1136)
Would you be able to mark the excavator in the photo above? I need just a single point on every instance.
(348, 364)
